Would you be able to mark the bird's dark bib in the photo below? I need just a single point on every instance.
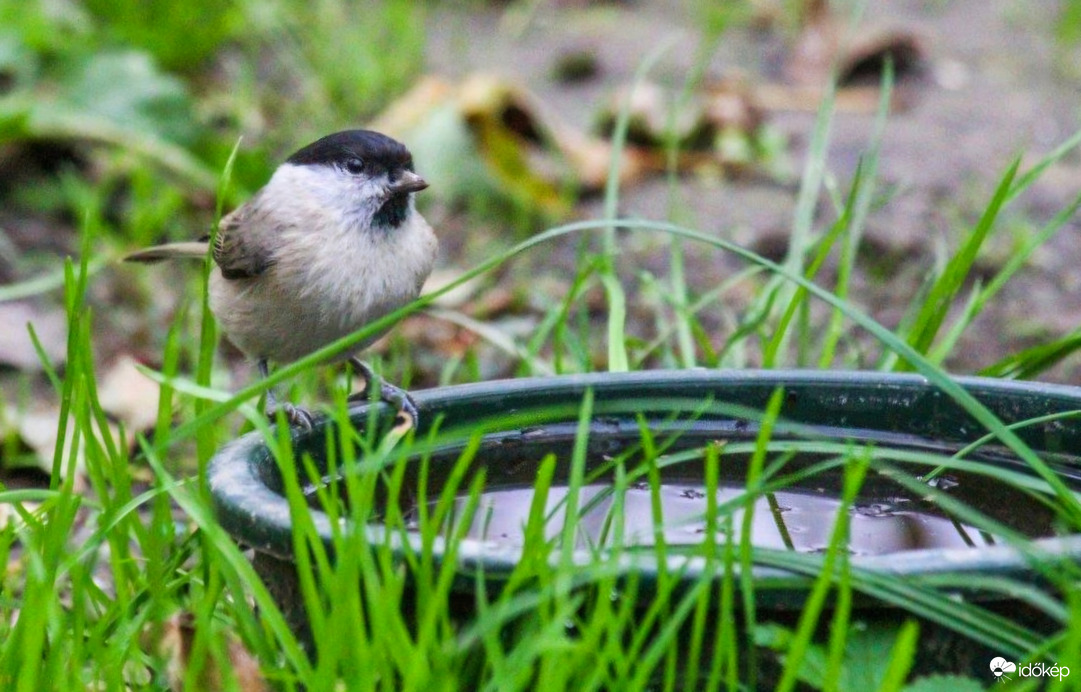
(392, 213)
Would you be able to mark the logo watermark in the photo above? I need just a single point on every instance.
(1004, 670)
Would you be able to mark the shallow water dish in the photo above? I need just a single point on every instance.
(895, 527)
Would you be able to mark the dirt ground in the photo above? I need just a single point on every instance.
(992, 85)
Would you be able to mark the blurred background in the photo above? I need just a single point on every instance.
(117, 118)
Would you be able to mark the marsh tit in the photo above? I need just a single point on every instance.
(331, 243)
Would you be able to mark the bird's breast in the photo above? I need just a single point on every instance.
(330, 285)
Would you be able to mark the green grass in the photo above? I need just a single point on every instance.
(95, 577)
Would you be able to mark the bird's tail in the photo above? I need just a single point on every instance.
(158, 253)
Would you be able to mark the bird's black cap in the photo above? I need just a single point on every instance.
(374, 149)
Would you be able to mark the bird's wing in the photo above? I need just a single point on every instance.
(241, 255)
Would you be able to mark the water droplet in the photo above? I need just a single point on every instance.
(943, 482)
(874, 509)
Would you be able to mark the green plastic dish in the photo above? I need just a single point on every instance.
(902, 411)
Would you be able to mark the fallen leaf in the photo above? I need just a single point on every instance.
(854, 99)
(496, 301)
(413, 109)
(810, 59)
(17, 349)
(865, 60)
(457, 296)
(118, 98)
(825, 44)
(129, 396)
(37, 431)
(721, 125)
(176, 644)
(519, 150)
(486, 132)
(732, 103)
(652, 117)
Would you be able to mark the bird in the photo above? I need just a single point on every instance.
(332, 242)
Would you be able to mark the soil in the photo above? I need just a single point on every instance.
(992, 85)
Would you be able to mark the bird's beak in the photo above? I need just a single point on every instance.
(406, 183)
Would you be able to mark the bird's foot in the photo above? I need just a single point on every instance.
(407, 416)
(295, 416)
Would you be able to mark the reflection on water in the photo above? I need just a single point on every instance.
(895, 510)
(801, 521)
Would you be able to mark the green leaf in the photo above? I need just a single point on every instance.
(127, 89)
(17, 62)
(867, 656)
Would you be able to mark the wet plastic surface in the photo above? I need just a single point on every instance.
(898, 410)
(902, 411)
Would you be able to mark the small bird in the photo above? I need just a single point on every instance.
(332, 242)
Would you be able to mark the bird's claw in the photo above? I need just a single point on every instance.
(295, 416)
(407, 415)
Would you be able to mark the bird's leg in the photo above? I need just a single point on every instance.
(295, 415)
(395, 396)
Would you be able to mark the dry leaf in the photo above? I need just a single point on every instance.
(854, 99)
(39, 432)
(519, 149)
(865, 60)
(824, 44)
(719, 126)
(17, 349)
(415, 107)
(457, 296)
(488, 127)
(176, 644)
(651, 112)
(129, 396)
(810, 60)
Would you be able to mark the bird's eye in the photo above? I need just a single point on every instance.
(354, 165)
